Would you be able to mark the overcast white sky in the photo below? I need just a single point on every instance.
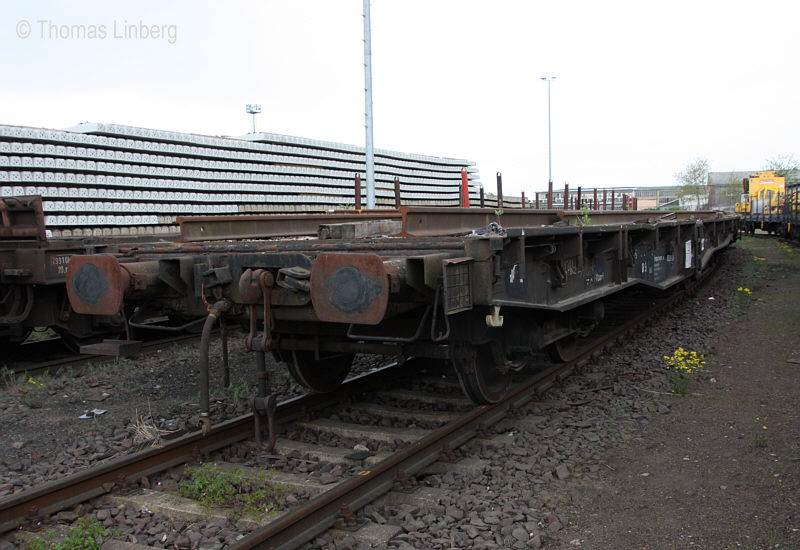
(642, 87)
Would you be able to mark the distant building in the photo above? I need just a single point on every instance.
(725, 188)
(656, 197)
(646, 197)
(724, 191)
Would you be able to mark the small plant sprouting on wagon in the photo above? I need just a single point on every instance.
(682, 368)
(585, 219)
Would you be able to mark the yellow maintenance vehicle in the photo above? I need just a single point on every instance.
(762, 201)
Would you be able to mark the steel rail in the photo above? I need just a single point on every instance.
(302, 524)
(81, 360)
(58, 495)
(318, 515)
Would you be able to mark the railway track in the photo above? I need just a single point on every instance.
(50, 356)
(373, 480)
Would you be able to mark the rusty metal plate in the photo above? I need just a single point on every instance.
(22, 218)
(95, 284)
(113, 348)
(349, 288)
(457, 285)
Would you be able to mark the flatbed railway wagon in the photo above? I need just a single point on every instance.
(94, 187)
(482, 290)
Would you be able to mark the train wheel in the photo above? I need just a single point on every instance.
(481, 379)
(319, 375)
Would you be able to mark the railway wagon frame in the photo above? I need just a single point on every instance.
(483, 291)
(33, 270)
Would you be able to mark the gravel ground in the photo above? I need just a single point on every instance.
(96, 414)
(537, 489)
(538, 483)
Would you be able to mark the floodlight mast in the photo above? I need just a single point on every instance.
(253, 109)
(370, 151)
(549, 132)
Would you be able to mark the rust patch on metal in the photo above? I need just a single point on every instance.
(22, 218)
(349, 288)
(95, 284)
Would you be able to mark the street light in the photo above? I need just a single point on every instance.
(549, 79)
(253, 109)
(369, 150)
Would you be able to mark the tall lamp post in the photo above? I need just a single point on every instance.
(549, 79)
(253, 109)
(369, 149)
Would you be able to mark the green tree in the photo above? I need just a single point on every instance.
(783, 165)
(694, 182)
(733, 189)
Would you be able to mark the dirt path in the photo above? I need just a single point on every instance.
(723, 469)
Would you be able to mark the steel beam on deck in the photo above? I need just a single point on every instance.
(417, 222)
(215, 228)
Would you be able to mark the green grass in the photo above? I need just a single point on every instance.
(212, 485)
(86, 534)
(8, 378)
(108, 367)
(238, 392)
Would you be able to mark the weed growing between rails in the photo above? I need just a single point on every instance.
(87, 534)
(254, 496)
(239, 392)
(682, 367)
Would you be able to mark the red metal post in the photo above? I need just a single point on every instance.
(550, 194)
(604, 199)
(624, 201)
(358, 191)
(612, 199)
(594, 204)
(636, 203)
(499, 191)
(566, 196)
(464, 188)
